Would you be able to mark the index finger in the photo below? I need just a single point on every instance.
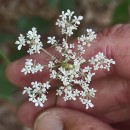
(113, 42)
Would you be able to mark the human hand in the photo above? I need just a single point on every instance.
(112, 102)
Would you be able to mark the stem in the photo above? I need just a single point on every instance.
(4, 57)
(56, 99)
(66, 38)
(48, 53)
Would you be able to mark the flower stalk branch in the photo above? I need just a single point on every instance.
(4, 57)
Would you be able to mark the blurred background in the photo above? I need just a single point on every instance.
(18, 16)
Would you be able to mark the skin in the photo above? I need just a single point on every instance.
(112, 102)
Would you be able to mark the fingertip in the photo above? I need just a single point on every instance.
(13, 73)
(16, 77)
(64, 119)
(48, 121)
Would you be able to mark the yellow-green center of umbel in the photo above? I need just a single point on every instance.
(67, 66)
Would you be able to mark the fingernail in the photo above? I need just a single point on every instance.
(48, 121)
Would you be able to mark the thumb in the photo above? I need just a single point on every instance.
(66, 119)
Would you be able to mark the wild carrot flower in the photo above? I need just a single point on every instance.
(70, 68)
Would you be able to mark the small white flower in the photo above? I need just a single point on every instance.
(51, 40)
(87, 102)
(92, 92)
(53, 74)
(32, 34)
(63, 15)
(72, 46)
(39, 67)
(26, 70)
(59, 92)
(21, 41)
(69, 14)
(38, 102)
(27, 90)
(87, 69)
(51, 64)
(35, 84)
(46, 85)
(58, 49)
(77, 20)
(44, 98)
(32, 97)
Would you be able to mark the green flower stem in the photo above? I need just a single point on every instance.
(4, 57)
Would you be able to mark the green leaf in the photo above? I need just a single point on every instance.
(6, 37)
(128, 2)
(4, 57)
(53, 3)
(67, 4)
(105, 1)
(62, 4)
(6, 88)
(121, 13)
(16, 54)
(26, 23)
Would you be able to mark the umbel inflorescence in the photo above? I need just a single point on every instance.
(68, 66)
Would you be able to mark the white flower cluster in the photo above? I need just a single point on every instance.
(37, 94)
(32, 39)
(31, 67)
(68, 22)
(69, 66)
(99, 61)
(86, 40)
